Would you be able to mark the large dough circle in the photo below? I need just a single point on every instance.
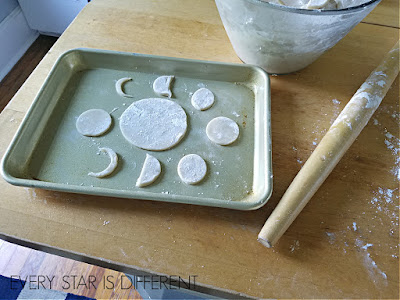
(154, 124)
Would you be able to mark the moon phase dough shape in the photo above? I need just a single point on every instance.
(93, 122)
(222, 131)
(192, 169)
(154, 124)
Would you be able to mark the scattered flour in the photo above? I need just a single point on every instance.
(295, 246)
(354, 226)
(393, 145)
(123, 252)
(375, 273)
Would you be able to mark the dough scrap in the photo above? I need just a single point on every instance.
(154, 124)
(118, 87)
(93, 122)
(222, 131)
(162, 85)
(150, 171)
(192, 169)
(319, 4)
(111, 167)
(202, 99)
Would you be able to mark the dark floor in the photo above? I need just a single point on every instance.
(21, 71)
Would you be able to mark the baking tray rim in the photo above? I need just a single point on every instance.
(101, 191)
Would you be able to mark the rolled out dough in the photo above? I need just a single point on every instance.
(154, 124)
(192, 169)
(118, 87)
(111, 167)
(202, 99)
(93, 122)
(162, 86)
(222, 131)
(150, 171)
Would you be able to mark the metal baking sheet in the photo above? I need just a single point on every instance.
(48, 152)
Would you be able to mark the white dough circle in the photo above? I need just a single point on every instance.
(112, 165)
(192, 169)
(222, 131)
(202, 99)
(150, 171)
(161, 85)
(93, 122)
(154, 124)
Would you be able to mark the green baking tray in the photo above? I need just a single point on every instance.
(48, 152)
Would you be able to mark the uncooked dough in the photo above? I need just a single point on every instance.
(319, 4)
(150, 171)
(154, 124)
(202, 99)
(162, 86)
(118, 87)
(111, 167)
(93, 122)
(222, 131)
(192, 169)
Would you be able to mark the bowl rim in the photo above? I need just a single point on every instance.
(316, 11)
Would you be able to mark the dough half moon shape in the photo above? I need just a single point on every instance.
(154, 124)
(111, 167)
(192, 169)
(222, 131)
(150, 171)
(162, 85)
(93, 122)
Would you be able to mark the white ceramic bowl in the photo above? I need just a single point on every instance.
(283, 39)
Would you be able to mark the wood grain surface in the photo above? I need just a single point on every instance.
(345, 242)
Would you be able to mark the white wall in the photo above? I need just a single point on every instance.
(6, 7)
(51, 17)
(15, 36)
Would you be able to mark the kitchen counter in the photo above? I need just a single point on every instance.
(344, 244)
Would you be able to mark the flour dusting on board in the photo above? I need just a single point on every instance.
(393, 145)
(362, 240)
(375, 273)
(391, 141)
(295, 246)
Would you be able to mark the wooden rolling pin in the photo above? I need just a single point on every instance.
(332, 147)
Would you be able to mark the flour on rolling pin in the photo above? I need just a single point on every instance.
(332, 147)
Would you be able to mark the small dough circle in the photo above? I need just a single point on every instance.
(192, 169)
(202, 99)
(93, 122)
(154, 124)
(222, 131)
